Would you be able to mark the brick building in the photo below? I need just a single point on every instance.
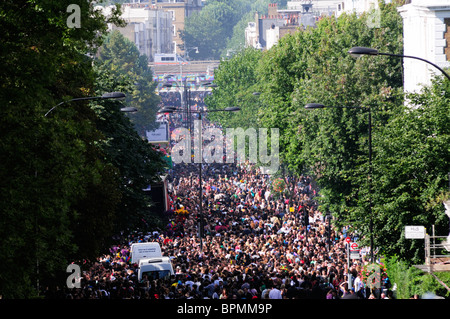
(180, 9)
(268, 29)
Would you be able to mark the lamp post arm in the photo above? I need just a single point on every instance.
(55, 107)
(348, 107)
(417, 58)
(322, 106)
(75, 99)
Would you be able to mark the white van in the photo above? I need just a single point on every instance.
(145, 250)
(155, 268)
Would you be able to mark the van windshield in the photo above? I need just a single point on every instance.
(156, 274)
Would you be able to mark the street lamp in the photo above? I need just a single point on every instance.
(185, 94)
(321, 106)
(112, 95)
(359, 51)
(105, 96)
(190, 49)
(128, 109)
(314, 106)
(228, 109)
(169, 109)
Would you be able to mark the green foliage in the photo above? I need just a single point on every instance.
(208, 29)
(332, 143)
(41, 179)
(409, 146)
(404, 277)
(236, 81)
(137, 165)
(220, 26)
(411, 170)
(410, 281)
(60, 188)
(237, 40)
(121, 68)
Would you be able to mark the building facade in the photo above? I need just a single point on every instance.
(180, 10)
(147, 26)
(155, 25)
(266, 31)
(357, 6)
(426, 34)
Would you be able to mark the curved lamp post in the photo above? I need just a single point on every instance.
(105, 96)
(321, 106)
(359, 51)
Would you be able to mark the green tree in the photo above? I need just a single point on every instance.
(331, 144)
(209, 29)
(411, 171)
(237, 40)
(220, 26)
(121, 58)
(237, 81)
(412, 281)
(138, 164)
(47, 163)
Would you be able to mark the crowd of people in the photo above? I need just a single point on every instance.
(174, 99)
(256, 243)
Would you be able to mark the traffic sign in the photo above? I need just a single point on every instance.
(354, 254)
(353, 246)
(414, 232)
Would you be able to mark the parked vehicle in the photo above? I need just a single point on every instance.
(155, 268)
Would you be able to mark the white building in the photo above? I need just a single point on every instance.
(251, 35)
(426, 34)
(357, 6)
(272, 36)
(149, 28)
(333, 7)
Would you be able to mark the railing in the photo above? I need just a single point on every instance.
(435, 249)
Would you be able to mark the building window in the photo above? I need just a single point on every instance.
(174, 29)
(447, 38)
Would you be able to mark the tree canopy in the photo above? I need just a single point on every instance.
(62, 189)
(220, 26)
(237, 86)
(332, 144)
(120, 58)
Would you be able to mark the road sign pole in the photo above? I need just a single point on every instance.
(349, 276)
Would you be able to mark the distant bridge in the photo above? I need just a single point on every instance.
(191, 75)
(192, 67)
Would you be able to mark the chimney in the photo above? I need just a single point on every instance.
(273, 10)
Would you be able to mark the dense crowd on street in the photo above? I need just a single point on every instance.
(173, 99)
(256, 244)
